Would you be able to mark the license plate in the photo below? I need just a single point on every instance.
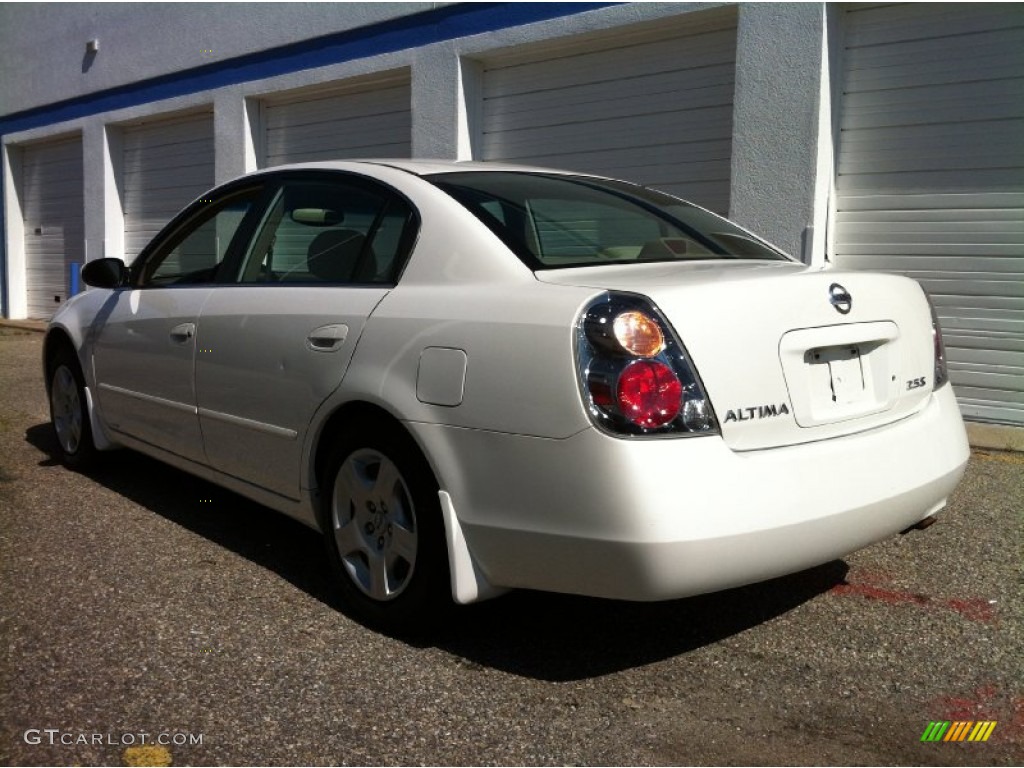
(846, 375)
(839, 373)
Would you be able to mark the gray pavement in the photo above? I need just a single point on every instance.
(139, 600)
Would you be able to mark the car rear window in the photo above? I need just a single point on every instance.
(554, 221)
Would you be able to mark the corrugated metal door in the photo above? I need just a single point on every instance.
(368, 119)
(167, 164)
(931, 178)
(653, 106)
(52, 207)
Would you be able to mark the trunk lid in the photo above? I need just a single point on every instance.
(780, 361)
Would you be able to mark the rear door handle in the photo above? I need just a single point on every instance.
(327, 338)
(183, 333)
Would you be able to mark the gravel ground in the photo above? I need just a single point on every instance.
(137, 599)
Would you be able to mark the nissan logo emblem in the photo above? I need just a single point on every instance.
(840, 298)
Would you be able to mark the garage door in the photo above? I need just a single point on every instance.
(931, 178)
(167, 164)
(51, 187)
(364, 119)
(652, 106)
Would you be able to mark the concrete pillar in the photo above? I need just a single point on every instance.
(782, 126)
(15, 304)
(103, 212)
(233, 146)
(444, 95)
(112, 221)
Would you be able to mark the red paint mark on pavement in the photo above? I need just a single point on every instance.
(890, 596)
(986, 703)
(867, 584)
(981, 705)
(975, 609)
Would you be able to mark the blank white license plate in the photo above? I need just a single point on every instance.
(845, 372)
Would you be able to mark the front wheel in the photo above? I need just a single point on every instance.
(69, 414)
(385, 537)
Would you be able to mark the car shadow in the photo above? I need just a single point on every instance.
(532, 634)
(566, 637)
(257, 533)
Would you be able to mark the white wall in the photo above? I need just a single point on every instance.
(144, 40)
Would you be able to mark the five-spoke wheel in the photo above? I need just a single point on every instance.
(382, 522)
(68, 413)
(66, 409)
(374, 521)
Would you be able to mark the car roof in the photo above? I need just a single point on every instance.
(417, 167)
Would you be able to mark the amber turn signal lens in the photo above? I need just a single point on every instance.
(638, 333)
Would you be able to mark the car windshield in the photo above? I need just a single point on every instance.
(555, 221)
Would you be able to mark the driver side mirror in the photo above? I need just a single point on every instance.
(105, 273)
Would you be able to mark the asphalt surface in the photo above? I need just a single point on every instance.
(139, 600)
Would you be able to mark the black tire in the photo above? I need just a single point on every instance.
(382, 523)
(69, 414)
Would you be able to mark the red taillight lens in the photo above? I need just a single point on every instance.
(649, 393)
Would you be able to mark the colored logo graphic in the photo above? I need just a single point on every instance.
(958, 730)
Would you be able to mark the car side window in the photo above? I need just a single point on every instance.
(328, 232)
(194, 254)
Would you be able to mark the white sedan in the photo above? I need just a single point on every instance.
(474, 377)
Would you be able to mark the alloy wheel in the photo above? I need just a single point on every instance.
(374, 524)
(66, 409)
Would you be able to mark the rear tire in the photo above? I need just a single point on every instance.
(69, 414)
(382, 523)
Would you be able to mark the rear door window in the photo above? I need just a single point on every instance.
(323, 231)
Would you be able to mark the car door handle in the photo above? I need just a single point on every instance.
(327, 338)
(183, 333)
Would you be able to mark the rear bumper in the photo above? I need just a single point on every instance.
(661, 519)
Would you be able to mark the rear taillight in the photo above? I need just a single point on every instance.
(649, 393)
(635, 375)
(941, 375)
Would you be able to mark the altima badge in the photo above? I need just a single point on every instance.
(756, 412)
(840, 298)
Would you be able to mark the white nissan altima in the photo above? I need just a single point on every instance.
(474, 377)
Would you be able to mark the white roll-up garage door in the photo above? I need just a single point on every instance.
(52, 208)
(364, 118)
(167, 164)
(931, 178)
(652, 105)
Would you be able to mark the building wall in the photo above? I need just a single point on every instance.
(238, 69)
(159, 60)
(140, 41)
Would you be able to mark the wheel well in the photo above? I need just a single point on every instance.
(355, 414)
(55, 341)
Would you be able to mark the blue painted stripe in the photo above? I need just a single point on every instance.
(403, 33)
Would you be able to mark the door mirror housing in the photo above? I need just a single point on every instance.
(105, 273)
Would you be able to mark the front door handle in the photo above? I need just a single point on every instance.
(183, 333)
(327, 338)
